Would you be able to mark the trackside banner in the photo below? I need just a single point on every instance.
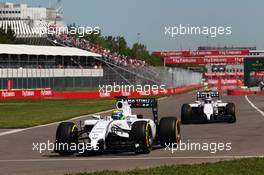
(97, 94)
(200, 53)
(170, 60)
(259, 74)
(219, 74)
(34, 93)
(224, 81)
(243, 92)
(49, 93)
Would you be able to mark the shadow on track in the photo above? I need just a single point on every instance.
(99, 154)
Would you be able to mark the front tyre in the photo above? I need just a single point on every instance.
(66, 135)
(141, 135)
(169, 131)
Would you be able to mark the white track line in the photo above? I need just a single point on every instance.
(254, 106)
(127, 158)
(11, 132)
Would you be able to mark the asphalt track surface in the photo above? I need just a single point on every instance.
(246, 138)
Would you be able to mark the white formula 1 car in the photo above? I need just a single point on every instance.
(208, 108)
(122, 131)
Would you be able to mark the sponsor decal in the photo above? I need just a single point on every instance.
(6, 94)
(223, 81)
(28, 93)
(201, 53)
(46, 92)
(171, 60)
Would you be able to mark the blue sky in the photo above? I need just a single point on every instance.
(149, 17)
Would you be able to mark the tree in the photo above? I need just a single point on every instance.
(7, 36)
(119, 44)
(122, 45)
(93, 38)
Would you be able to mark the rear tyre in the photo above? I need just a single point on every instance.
(141, 135)
(186, 113)
(169, 131)
(67, 134)
(231, 110)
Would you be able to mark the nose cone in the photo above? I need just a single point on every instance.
(208, 110)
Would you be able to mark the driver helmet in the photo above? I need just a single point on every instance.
(117, 115)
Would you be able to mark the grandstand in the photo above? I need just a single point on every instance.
(30, 67)
(30, 24)
(60, 68)
(71, 62)
(134, 66)
(142, 72)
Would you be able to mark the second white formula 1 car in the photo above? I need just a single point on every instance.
(121, 131)
(208, 108)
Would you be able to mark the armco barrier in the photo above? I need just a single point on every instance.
(49, 93)
(243, 92)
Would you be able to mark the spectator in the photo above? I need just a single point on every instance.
(106, 53)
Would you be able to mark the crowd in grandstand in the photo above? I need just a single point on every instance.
(132, 64)
(106, 53)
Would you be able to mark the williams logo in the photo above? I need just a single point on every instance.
(257, 64)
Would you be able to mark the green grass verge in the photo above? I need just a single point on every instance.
(31, 112)
(22, 113)
(234, 167)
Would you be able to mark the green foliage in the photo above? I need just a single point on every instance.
(119, 44)
(7, 36)
(234, 167)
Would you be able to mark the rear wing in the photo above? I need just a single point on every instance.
(145, 103)
(142, 103)
(207, 94)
